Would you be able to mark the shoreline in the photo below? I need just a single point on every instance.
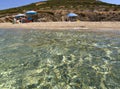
(81, 25)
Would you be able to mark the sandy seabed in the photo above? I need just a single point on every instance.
(64, 25)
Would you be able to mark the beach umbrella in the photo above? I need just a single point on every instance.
(19, 15)
(31, 12)
(72, 15)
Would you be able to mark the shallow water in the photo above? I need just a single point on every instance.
(34, 59)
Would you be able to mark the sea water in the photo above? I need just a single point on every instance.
(38, 59)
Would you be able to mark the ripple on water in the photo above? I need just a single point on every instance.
(36, 59)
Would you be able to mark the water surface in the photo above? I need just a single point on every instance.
(34, 59)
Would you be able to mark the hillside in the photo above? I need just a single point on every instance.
(64, 4)
(62, 7)
(77, 4)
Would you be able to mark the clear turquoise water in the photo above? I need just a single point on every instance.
(34, 59)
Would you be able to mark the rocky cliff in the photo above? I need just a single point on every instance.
(61, 15)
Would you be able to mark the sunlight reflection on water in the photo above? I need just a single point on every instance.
(34, 59)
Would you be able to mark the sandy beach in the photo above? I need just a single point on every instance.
(64, 25)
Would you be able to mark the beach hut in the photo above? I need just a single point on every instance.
(72, 16)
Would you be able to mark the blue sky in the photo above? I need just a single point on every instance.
(5, 4)
(112, 1)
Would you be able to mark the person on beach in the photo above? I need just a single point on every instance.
(18, 21)
(23, 20)
(14, 20)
